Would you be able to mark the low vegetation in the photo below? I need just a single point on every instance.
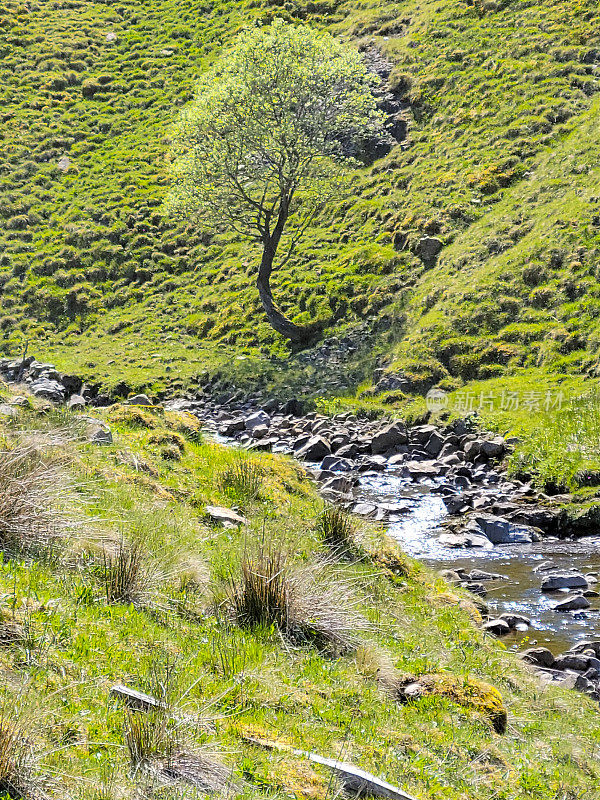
(247, 635)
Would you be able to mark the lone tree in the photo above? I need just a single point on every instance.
(268, 138)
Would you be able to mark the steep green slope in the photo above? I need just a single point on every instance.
(121, 577)
(92, 268)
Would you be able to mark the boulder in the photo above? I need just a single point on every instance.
(49, 390)
(434, 444)
(315, 449)
(336, 464)
(466, 539)
(564, 580)
(574, 602)
(388, 438)
(540, 656)
(492, 448)
(429, 248)
(573, 661)
(501, 531)
(140, 400)
(75, 402)
(72, 383)
(256, 420)
(497, 627)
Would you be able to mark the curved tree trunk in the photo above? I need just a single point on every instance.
(276, 318)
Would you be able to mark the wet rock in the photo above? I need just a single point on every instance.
(423, 469)
(497, 627)
(455, 504)
(540, 656)
(501, 531)
(336, 464)
(339, 484)
(388, 438)
(315, 449)
(515, 621)
(574, 602)
(564, 580)
(591, 645)
(482, 575)
(364, 509)
(465, 539)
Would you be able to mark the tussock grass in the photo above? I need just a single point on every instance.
(242, 481)
(18, 779)
(304, 603)
(128, 575)
(35, 493)
(337, 530)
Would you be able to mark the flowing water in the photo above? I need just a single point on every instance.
(417, 531)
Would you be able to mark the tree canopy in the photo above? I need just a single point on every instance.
(274, 124)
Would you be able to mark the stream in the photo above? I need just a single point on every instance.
(417, 531)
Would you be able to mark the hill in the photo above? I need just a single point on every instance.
(498, 168)
(117, 573)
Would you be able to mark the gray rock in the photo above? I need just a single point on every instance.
(491, 448)
(315, 449)
(336, 464)
(501, 531)
(49, 390)
(540, 656)
(564, 580)
(226, 516)
(140, 400)
(75, 402)
(100, 435)
(258, 419)
(572, 661)
(388, 438)
(574, 602)
(429, 248)
(434, 444)
(497, 627)
(466, 539)
(515, 621)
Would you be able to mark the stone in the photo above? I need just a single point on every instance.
(540, 656)
(100, 435)
(256, 420)
(434, 444)
(572, 661)
(260, 432)
(492, 447)
(482, 575)
(336, 464)
(75, 402)
(429, 248)
(140, 400)
(226, 516)
(564, 580)
(292, 408)
(388, 438)
(574, 602)
(466, 539)
(497, 627)
(455, 504)
(49, 390)
(315, 449)
(339, 484)
(515, 621)
(364, 509)
(471, 450)
(501, 531)
(140, 701)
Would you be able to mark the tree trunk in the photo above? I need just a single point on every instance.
(276, 318)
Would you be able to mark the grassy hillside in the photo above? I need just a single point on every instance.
(113, 573)
(501, 119)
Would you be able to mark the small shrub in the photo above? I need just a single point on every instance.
(242, 481)
(336, 528)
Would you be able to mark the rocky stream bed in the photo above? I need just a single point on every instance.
(442, 493)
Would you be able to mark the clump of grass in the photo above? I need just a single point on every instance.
(242, 481)
(35, 493)
(185, 424)
(132, 417)
(17, 762)
(303, 603)
(336, 529)
(128, 576)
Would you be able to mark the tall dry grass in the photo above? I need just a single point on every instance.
(307, 604)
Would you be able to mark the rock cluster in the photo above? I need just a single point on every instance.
(577, 668)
